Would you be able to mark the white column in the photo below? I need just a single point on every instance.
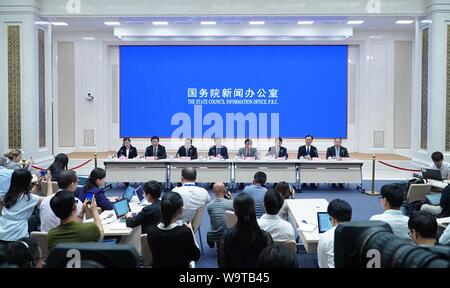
(25, 16)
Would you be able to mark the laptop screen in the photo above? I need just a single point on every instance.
(128, 194)
(140, 193)
(324, 222)
(121, 208)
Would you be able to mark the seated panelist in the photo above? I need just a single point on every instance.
(248, 150)
(127, 150)
(307, 150)
(155, 150)
(337, 151)
(278, 151)
(187, 150)
(218, 150)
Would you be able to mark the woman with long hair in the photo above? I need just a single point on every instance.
(19, 203)
(172, 244)
(59, 164)
(242, 244)
(94, 185)
(285, 190)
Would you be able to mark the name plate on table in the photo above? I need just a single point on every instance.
(185, 158)
(249, 158)
(150, 158)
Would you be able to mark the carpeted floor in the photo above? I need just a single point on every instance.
(364, 207)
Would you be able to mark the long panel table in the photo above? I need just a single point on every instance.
(276, 170)
(304, 211)
(236, 171)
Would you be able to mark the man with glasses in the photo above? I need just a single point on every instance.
(423, 229)
(68, 180)
(391, 200)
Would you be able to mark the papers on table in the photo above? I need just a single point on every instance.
(306, 227)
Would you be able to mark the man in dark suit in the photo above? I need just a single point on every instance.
(337, 152)
(218, 150)
(150, 214)
(278, 151)
(127, 150)
(308, 151)
(155, 150)
(248, 150)
(187, 150)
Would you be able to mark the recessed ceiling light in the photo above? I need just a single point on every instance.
(112, 23)
(160, 23)
(59, 23)
(41, 23)
(88, 38)
(355, 22)
(208, 22)
(256, 22)
(404, 22)
(426, 21)
(305, 22)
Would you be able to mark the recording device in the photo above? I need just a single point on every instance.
(373, 245)
(43, 173)
(89, 197)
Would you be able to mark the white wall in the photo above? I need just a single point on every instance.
(371, 92)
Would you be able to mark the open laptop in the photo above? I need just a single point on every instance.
(140, 194)
(324, 222)
(121, 208)
(128, 194)
(434, 174)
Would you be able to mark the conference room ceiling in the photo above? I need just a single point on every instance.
(97, 23)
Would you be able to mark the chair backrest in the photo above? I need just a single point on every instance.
(289, 244)
(231, 218)
(44, 187)
(197, 219)
(417, 192)
(41, 238)
(146, 253)
(99, 255)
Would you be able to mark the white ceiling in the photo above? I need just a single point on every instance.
(96, 23)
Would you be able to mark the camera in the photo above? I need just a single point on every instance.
(373, 245)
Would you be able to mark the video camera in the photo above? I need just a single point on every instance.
(373, 245)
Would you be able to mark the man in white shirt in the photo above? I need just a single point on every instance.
(68, 180)
(445, 237)
(193, 196)
(391, 200)
(339, 211)
(439, 163)
(279, 229)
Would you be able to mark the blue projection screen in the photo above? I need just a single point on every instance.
(233, 91)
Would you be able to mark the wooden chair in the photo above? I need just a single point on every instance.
(146, 253)
(41, 238)
(196, 223)
(289, 244)
(231, 218)
(417, 192)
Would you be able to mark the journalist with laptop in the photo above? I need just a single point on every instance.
(151, 214)
(439, 164)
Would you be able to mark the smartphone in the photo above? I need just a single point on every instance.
(43, 173)
(89, 197)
